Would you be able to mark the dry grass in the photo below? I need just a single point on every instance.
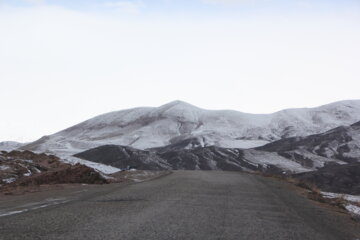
(314, 193)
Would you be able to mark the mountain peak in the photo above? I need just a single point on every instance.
(177, 105)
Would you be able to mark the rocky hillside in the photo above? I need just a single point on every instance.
(335, 178)
(123, 157)
(341, 144)
(27, 168)
(338, 146)
(179, 122)
(200, 158)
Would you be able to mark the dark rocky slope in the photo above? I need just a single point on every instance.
(330, 160)
(123, 157)
(335, 178)
(341, 145)
(177, 158)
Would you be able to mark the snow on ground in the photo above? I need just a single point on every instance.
(67, 157)
(244, 144)
(97, 166)
(9, 146)
(353, 209)
(9, 180)
(317, 161)
(3, 168)
(351, 199)
(269, 158)
(28, 161)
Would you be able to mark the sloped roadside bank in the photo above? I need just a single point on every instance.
(334, 178)
(334, 185)
(338, 185)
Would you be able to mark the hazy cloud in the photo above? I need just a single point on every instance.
(126, 6)
(55, 61)
(37, 2)
(230, 1)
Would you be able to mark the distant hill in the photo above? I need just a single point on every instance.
(181, 123)
(10, 146)
(341, 143)
(335, 178)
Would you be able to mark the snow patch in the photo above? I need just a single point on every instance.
(10, 146)
(350, 198)
(106, 169)
(28, 173)
(9, 180)
(28, 161)
(255, 157)
(244, 144)
(353, 209)
(4, 167)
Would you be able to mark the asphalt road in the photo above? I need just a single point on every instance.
(183, 205)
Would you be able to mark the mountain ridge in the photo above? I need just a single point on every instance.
(149, 127)
(332, 156)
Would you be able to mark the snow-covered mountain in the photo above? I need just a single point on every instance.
(180, 122)
(333, 149)
(200, 158)
(341, 143)
(10, 145)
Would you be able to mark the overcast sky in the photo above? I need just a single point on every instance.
(62, 62)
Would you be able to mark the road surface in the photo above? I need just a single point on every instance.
(183, 205)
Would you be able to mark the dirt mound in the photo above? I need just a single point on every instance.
(22, 169)
(15, 165)
(73, 174)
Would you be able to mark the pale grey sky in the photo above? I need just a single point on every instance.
(61, 62)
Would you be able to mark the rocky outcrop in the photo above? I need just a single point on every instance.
(27, 168)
